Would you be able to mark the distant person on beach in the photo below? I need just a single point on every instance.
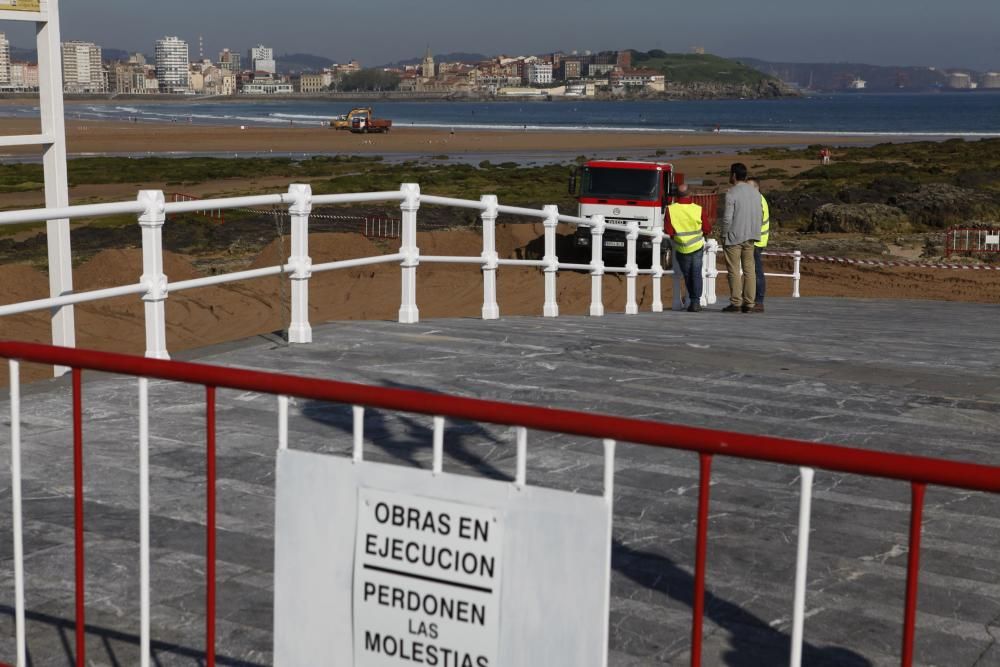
(686, 228)
(758, 250)
(824, 156)
(741, 229)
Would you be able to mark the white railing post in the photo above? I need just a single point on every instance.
(17, 518)
(631, 267)
(551, 307)
(299, 330)
(153, 279)
(408, 312)
(491, 310)
(657, 267)
(801, 565)
(711, 271)
(597, 266)
(796, 275)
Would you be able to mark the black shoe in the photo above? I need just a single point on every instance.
(694, 307)
(758, 308)
(746, 309)
(731, 309)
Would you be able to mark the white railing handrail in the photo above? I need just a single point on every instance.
(154, 286)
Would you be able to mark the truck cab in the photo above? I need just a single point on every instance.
(623, 191)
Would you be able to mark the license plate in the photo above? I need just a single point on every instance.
(614, 244)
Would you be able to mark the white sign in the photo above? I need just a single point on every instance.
(426, 582)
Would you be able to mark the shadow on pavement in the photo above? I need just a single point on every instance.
(753, 642)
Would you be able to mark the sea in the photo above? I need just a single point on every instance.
(970, 114)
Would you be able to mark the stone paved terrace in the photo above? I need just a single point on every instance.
(915, 377)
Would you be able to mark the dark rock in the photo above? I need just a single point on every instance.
(943, 205)
(867, 218)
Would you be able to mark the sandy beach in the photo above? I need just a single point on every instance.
(139, 138)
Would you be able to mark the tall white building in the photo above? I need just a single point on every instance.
(4, 60)
(82, 69)
(262, 59)
(539, 74)
(172, 64)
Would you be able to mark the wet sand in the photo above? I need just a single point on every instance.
(141, 138)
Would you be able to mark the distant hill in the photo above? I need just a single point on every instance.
(689, 68)
(294, 63)
(837, 76)
(455, 57)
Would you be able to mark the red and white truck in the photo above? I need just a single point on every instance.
(623, 191)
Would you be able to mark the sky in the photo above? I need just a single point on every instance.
(959, 33)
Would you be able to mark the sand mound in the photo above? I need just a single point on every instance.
(22, 283)
(113, 268)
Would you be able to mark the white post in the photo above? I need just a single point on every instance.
(491, 311)
(631, 267)
(282, 422)
(299, 330)
(796, 275)
(609, 498)
(144, 522)
(438, 446)
(657, 267)
(596, 266)
(521, 476)
(359, 433)
(711, 271)
(15, 492)
(551, 307)
(153, 279)
(408, 313)
(50, 105)
(801, 561)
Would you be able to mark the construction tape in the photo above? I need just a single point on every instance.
(871, 262)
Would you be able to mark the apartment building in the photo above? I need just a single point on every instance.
(539, 74)
(23, 76)
(4, 60)
(83, 71)
(172, 65)
(262, 59)
(311, 83)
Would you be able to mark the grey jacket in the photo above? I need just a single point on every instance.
(744, 215)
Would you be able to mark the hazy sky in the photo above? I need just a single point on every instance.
(959, 33)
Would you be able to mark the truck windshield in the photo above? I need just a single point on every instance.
(620, 183)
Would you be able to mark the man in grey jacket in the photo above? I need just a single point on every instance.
(741, 228)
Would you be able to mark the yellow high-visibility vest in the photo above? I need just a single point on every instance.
(765, 229)
(686, 221)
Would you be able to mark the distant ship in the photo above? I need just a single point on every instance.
(857, 84)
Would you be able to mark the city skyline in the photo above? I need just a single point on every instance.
(960, 34)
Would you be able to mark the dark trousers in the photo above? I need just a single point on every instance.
(689, 265)
(758, 262)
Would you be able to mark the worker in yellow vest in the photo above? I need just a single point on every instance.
(758, 251)
(685, 225)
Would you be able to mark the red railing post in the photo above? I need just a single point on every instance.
(210, 527)
(913, 570)
(698, 604)
(81, 638)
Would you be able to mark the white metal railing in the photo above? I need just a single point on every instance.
(152, 209)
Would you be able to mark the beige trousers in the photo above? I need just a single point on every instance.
(742, 274)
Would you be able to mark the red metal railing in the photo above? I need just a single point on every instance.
(972, 241)
(919, 471)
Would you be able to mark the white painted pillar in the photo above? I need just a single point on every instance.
(299, 330)
(491, 311)
(596, 266)
(801, 565)
(408, 312)
(711, 271)
(657, 267)
(631, 268)
(796, 275)
(50, 105)
(551, 307)
(153, 279)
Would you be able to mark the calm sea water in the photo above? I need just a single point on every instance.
(969, 114)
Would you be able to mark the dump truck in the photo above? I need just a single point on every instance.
(346, 121)
(623, 191)
(366, 122)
